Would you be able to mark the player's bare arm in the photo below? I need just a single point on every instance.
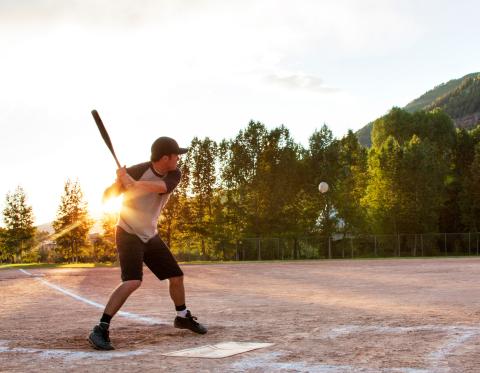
(113, 190)
(158, 186)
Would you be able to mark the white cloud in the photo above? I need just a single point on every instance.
(301, 81)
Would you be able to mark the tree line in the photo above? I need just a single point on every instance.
(421, 175)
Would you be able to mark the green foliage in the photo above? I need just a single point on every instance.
(19, 231)
(470, 194)
(265, 185)
(351, 184)
(408, 165)
(364, 135)
(459, 99)
(439, 91)
(462, 101)
(435, 126)
(382, 194)
(322, 161)
(420, 176)
(397, 124)
(103, 249)
(72, 224)
(43, 254)
(260, 172)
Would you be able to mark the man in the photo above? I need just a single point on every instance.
(146, 188)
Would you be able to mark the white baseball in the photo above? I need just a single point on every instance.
(323, 187)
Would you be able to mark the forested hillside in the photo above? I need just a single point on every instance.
(459, 98)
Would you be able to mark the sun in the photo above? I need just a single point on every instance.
(112, 205)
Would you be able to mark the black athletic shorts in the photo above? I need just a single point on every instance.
(133, 252)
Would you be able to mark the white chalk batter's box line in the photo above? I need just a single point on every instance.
(458, 335)
(128, 315)
(436, 361)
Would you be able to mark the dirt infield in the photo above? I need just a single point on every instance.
(415, 315)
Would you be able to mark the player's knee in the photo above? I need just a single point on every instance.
(176, 280)
(133, 284)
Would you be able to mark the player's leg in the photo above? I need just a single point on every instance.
(177, 290)
(130, 252)
(120, 295)
(163, 264)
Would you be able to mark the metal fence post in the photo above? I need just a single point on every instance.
(314, 247)
(415, 246)
(421, 242)
(398, 242)
(259, 249)
(469, 240)
(445, 244)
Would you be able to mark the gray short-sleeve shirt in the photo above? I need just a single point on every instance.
(141, 209)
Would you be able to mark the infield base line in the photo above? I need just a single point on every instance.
(128, 315)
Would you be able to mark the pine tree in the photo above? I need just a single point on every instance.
(19, 230)
(72, 223)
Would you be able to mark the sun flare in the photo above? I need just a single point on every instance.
(112, 205)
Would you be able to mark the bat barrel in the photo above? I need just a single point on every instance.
(105, 136)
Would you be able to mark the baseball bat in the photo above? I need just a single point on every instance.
(105, 136)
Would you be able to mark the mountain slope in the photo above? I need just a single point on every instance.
(459, 98)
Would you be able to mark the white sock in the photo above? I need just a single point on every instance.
(182, 313)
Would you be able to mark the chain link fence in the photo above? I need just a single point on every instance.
(336, 247)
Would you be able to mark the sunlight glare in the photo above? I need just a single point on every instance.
(112, 205)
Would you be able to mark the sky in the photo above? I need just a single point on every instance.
(186, 68)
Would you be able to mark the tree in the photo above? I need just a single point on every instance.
(203, 180)
(3, 251)
(422, 186)
(175, 220)
(41, 244)
(280, 181)
(322, 164)
(19, 230)
(398, 123)
(239, 170)
(470, 197)
(382, 198)
(72, 223)
(104, 246)
(351, 185)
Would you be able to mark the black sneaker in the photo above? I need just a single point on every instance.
(188, 322)
(99, 338)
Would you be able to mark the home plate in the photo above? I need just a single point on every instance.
(219, 350)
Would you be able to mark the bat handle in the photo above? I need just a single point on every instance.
(116, 160)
